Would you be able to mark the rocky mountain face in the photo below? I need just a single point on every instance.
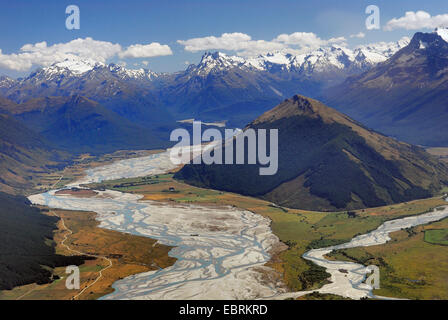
(406, 96)
(327, 162)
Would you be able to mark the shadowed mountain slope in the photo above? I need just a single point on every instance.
(327, 161)
(406, 96)
(78, 124)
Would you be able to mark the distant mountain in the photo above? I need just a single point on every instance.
(78, 124)
(327, 162)
(406, 96)
(118, 89)
(237, 89)
(23, 153)
(219, 87)
(6, 83)
(328, 64)
(323, 61)
(6, 104)
(223, 87)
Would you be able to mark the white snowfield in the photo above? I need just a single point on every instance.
(221, 251)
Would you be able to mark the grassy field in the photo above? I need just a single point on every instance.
(437, 236)
(410, 266)
(129, 254)
(300, 230)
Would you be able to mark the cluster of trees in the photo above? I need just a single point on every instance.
(313, 276)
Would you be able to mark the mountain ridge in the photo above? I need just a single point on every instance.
(327, 162)
(78, 124)
(406, 96)
(217, 87)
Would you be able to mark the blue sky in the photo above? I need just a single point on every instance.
(143, 22)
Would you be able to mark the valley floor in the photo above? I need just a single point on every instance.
(299, 230)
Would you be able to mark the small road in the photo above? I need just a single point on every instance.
(70, 232)
(54, 184)
(100, 275)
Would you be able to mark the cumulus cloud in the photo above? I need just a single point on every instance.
(154, 49)
(229, 41)
(257, 47)
(307, 40)
(42, 54)
(417, 20)
(244, 45)
(236, 41)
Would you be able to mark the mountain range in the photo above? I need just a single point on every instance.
(219, 87)
(327, 162)
(405, 96)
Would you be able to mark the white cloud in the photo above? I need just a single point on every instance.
(417, 20)
(360, 35)
(154, 49)
(307, 40)
(228, 41)
(257, 47)
(240, 42)
(244, 45)
(41, 54)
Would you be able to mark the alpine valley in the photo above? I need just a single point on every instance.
(87, 178)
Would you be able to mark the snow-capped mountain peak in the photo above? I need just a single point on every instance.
(132, 74)
(216, 61)
(75, 65)
(6, 82)
(321, 60)
(442, 32)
